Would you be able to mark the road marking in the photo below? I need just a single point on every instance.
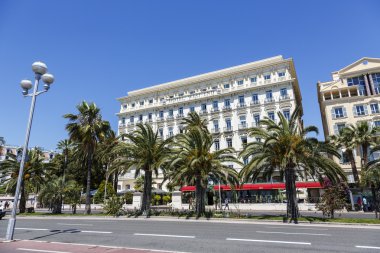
(37, 229)
(161, 235)
(41, 250)
(367, 247)
(68, 224)
(96, 232)
(267, 241)
(287, 233)
(286, 227)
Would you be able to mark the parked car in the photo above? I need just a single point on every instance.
(2, 213)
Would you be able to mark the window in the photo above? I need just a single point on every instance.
(140, 117)
(170, 129)
(150, 115)
(253, 79)
(226, 86)
(255, 98)
(271, 115)
(256, 119)
(267, 77)
(374, 108)
(171, 96)
(286, 114)
(150, 101)
(216, 125)
(243, 121)
(125, 106)
(217, 144)
(229, 142)
(192, 109)
(133, 104)
(338, 112)
(123, 121)
(132, 119)
(180, 94)
(192, 92)
(227, 103)
(240, 82)
(215, 104)
(161, 114)
(204, 107)
(244, 140)
(204, 89)
(171, 113)
(180, 111)
(228, 124)
(284, 92)
(339, 127)
(360, 110)
(241, 100)
(161, 132)
(245, 161)
(214, 87)
(359, 80)
(180, 128)
(376, 82)
(141, 102)
(268, 94)
(344, 157)
(281, 74)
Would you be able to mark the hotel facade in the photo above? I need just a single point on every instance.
(232, 100)
(352, 96)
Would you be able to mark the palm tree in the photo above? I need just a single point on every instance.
(88, 129)
(345, 140)
(65, 146)
(364, 136)
(51, 194)
(145, 152)
(73, 194)
(33, 178)
(286, 147)
(193, 163)
(371, 176)
(194, 121)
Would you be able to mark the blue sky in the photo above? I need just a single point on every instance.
(100, 50)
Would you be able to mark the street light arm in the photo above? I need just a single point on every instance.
(37, 93)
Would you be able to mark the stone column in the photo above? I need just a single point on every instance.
(176, 200)
(137, 199)
(372, 84)
(367, 86)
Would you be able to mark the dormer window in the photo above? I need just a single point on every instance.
(253, 79)
(226, 86)
(133, 105)
(267, 77)
(281, 74)
(240, 82)
(141, 102)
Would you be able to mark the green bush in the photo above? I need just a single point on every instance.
(128, 197)
(166, 199)
(114, 206)
(99, 195)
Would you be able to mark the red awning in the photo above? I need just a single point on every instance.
(264, 186)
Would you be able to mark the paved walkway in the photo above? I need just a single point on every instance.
(26, 246)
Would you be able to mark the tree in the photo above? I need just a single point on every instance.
(73, 194)
(65, 146)
(88, 129)
(286, 147)
(145, 152)
(51, 194)
(334, 198)
(345, 140)
(193, 163)
(100, 196)
(33, 178)
(371, 176)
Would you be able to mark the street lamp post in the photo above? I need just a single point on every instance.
(40, 70)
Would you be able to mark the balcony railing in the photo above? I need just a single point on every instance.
(215, 109)
(160, 119)
(203, 112)
(228, 129)
(180, 116)
(130, 123)
(170, 117)
(242, 126)
(285, 97)
(269, 100)
(241, 105)
(215, 130)
(227, 108)
(255, 102)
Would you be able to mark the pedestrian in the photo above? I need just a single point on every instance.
(359, 202)
(6, 205)
(226, 204)
(191, 203)
(365, 204)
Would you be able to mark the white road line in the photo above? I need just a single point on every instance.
(41, 250)
(287, 233)
(367, 247)
(37, 229)
(161, 235)
(267, 241)
(96, 232)
(287, 227)
(68, 224)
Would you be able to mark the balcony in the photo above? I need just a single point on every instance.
(203, 112)
(228, 129)
(284, 97)
(243, 126)
(269, 100)
(255, 102)
(149, 121)
(170, 117)
(227, 108)
(169, 135)
(241, 105)
(160, 119)
(130, 124)
(215, 130)
(214, 110)
(180, 116)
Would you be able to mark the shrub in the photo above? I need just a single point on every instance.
(99, 195)
(333, 199)
(128, 197)
(114, 206)
(166, 199)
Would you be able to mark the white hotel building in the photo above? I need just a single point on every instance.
(232, 100)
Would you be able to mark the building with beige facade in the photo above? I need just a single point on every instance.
(232, 100)
(353, 95)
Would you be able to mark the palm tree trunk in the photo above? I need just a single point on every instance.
(365, 156)
(147, 193)
(353, 166)
(200, 206)
(375, 204)
(291, 195)
(115, 179)
(88, 197)
(22, 205)
(74, 209)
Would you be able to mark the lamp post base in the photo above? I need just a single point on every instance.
(10, 229)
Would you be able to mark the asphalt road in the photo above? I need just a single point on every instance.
(197, 236)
